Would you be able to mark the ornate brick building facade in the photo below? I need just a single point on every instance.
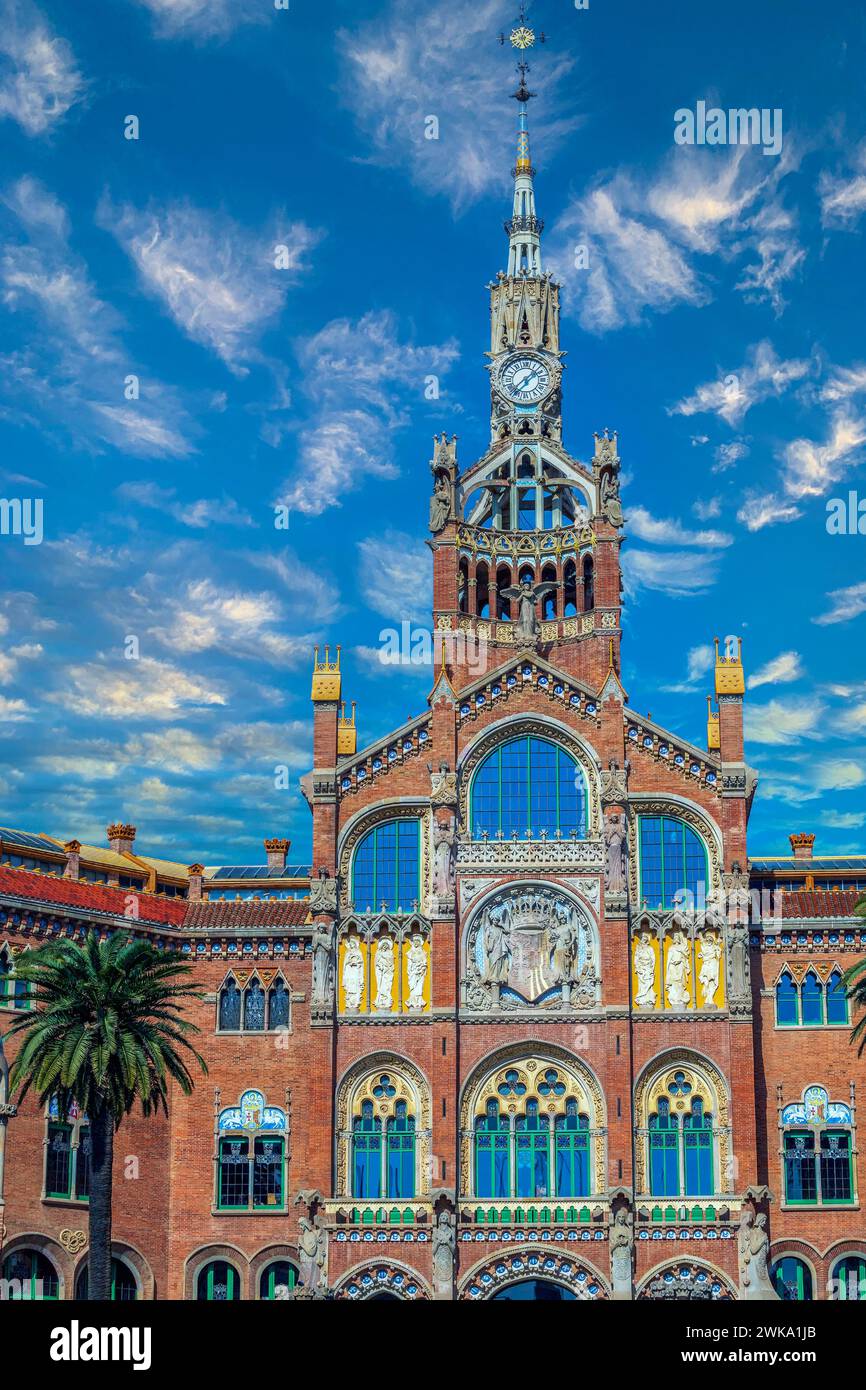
(526, 1028)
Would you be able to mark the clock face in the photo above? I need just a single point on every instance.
(525, 379)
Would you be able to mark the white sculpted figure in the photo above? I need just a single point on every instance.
(384, 975)
(711, 958)
(496, 945)
(416, 972)
(353, 973)
(645, 970)
(679, 972)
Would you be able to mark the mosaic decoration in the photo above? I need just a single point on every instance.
(252, 1114)
(816, 1109)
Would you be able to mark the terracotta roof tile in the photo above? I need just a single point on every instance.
(277, 912)
(820, 904)
(95, 897)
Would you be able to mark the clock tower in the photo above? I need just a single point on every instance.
(526, 539)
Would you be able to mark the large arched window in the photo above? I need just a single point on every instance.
(528, 785)
(124, 1289)
(384, 1169)
(681, 1134)
(386, 868)
(218, 1282)
(251, 1156)
(532, 1138)
(673, 863)
(30, 1275)
(793, 1279)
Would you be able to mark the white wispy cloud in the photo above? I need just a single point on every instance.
(733, 394)
(11, 658)
(364, 380)
(761, 509)
(414, 65)
(844, 382)
(787, 666)
(134, 690)
(647, 240)
(675, 572)
(207, 616)
(845, 604)
(198, 514)
(729, 455)
(40, 79)
(810, 468)
(700, 662)
(671, 532)
(204, 19)
(843, 196)
(216, 280)
(780, 721)
(707, 508)
(74, 368)
(395, 576)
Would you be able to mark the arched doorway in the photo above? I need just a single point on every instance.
(534, 1291)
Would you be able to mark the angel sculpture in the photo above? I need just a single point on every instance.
(527, 595)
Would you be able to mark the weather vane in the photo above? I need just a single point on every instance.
(522, 36)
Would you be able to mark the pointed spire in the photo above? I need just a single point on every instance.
(524, 228)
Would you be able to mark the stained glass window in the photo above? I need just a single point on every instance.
(268, 1173)
(673, 863)
(571, 1142)
(230, 1007)
(254, 1008)
(664, 1152)
(386, 867)
(492, 1143)
(812, 999)
(528, 784)
(532, 1153)
(278, 1006)
(367, 1153)
(698, 1152)
(801, 1184)
(401, 1153)
(218, 1282)
(835, 1166)
(234, 1173)
(30, 1275)
(787, 1004)
(837, 1001)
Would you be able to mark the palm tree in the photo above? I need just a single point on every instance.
(106, 1030)
(855, 982)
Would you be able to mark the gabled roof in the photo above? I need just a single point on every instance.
(519, 659)
(92, 897)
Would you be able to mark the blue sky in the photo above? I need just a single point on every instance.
(718, 328)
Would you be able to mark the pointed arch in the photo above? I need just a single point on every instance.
(383, 1114)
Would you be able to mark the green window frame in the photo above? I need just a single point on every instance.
(392, 874)
(793, 1279)
(242, 1184)
(848, 1280)
(655, 861)
(832, 1143)
(281, 1272)
(67, 1178)
(38, 1267)
(217, 1276)
(123, 1282)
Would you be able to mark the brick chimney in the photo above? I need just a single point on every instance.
(277, 850)
(121, 838)
(196, 873)
(803, 845)
(72, 850)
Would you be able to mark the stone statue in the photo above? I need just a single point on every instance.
(384, 970)
(615, 844)
(323, 893)
(444, 1246)
(739, 975)
(679, 972)
(754, 1248)
(440, 503)
(645, 970)
(323, 964)
(444, 846)
(563, 939)
(416, 972)
(621, 1243)
(353, 973)
(496, 945)
(527, 595)
(711, 959)
(313, 1256)
(611, 507)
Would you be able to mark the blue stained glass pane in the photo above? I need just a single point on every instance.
(837, 1003)
(367, 1155)
(787, 1013)
(801, 1183)
(673, 862)
(528, 785)
(664, 1156)
(812, 995)
(386, 869)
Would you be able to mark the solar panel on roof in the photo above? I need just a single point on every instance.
(20, 837)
